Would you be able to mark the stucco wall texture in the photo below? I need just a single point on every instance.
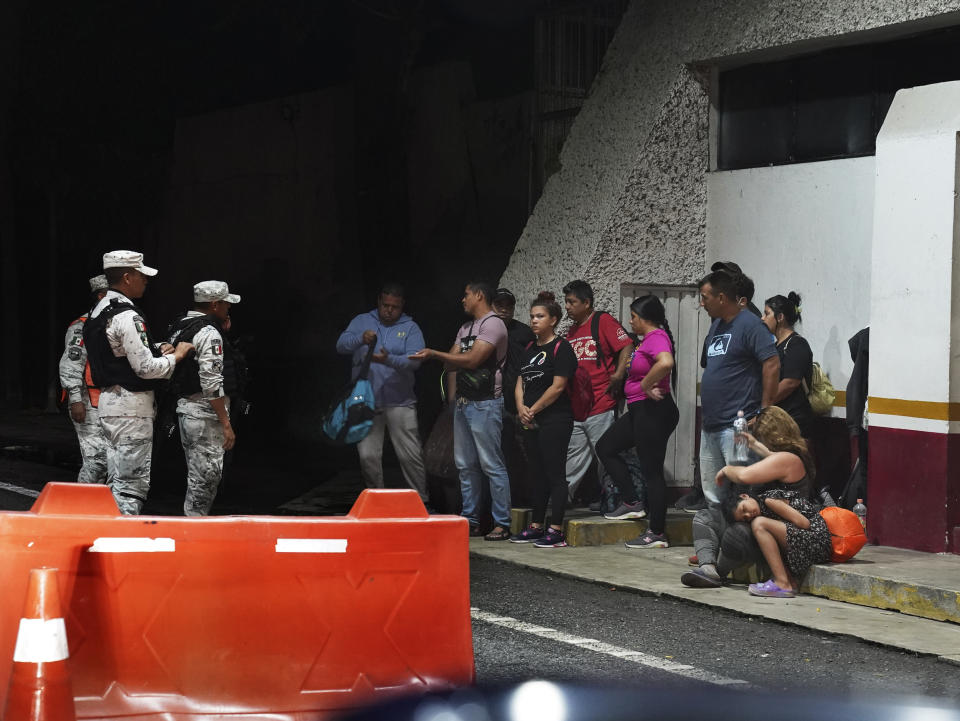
(629, 203)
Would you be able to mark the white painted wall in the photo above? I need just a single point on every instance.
(915, 318)
(806, 227)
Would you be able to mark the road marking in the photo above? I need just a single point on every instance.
(17, 489)
(592, 644)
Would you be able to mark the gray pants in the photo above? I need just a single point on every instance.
(129, 444)
(726, 545)
(582, 449)
(202, 441)
(93, 449)
(401, 422)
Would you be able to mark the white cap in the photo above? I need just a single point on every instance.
(208, 291)
(127, 259)
(98, 282)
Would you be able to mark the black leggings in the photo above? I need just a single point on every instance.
(647, 424)
(547, 457)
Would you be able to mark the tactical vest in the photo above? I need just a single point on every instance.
(106, 369)
(186, 378)
(92, 391)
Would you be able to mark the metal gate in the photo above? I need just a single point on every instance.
(682, 305)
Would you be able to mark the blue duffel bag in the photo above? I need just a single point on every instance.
(350, 417)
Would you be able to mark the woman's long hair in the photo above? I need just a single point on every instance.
(650, 308)
(775, 429)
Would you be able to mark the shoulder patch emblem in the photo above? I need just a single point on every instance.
(139, 324)
(73, 354)
(217, 347)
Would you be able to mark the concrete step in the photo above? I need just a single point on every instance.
(586, 528)
(912, 582)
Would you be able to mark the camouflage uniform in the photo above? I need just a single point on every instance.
(126, 417)
(201, 432)
(73, 363)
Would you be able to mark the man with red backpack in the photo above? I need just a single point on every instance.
(83, 396)
(603, 350)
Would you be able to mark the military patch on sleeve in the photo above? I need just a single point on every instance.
(73, 354)
(77, 339)
(217, 347)
(139, 324)
(218, 366)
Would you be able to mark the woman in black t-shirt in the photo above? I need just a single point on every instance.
(543, 409)
(780, 315)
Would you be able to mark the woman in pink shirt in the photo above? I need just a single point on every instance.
(650, 419)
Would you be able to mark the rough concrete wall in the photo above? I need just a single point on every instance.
(629, 202)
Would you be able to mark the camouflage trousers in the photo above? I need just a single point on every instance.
(93, 449)
(202, 441)
(129, 442)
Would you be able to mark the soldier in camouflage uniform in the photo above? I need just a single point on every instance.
(127, 366)
(76, 383)
(203, 406)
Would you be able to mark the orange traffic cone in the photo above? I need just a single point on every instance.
(40, 687)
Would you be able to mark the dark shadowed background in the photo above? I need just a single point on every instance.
(302, 151)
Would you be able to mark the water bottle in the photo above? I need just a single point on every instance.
(741, 448)
(861, 510)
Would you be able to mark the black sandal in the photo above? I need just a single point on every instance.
(498, 534)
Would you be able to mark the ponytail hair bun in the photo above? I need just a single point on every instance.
(548, 300)
(788, 306)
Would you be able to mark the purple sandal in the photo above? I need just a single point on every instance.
(769, 589)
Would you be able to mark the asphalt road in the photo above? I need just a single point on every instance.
(530, 625)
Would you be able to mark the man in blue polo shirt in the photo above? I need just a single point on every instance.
(741, 374)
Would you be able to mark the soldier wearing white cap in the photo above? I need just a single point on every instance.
(204, 384)
(127, 366)
(83, 396)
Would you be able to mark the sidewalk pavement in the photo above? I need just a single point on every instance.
(893, 597)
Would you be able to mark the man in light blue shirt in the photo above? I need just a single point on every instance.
(396, 336)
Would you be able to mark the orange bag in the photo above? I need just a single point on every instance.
(846, 533)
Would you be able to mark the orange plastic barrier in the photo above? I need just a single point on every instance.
(40, 681)
(244, 615)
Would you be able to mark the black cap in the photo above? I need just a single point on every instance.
(727, 265)
(503, 294)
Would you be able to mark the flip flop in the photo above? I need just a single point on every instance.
(498, 535)
(769, 589)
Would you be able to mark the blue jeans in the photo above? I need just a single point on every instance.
(477, 453)
(716, 451)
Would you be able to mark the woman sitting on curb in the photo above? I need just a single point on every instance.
(784, 464)
(784, 525)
